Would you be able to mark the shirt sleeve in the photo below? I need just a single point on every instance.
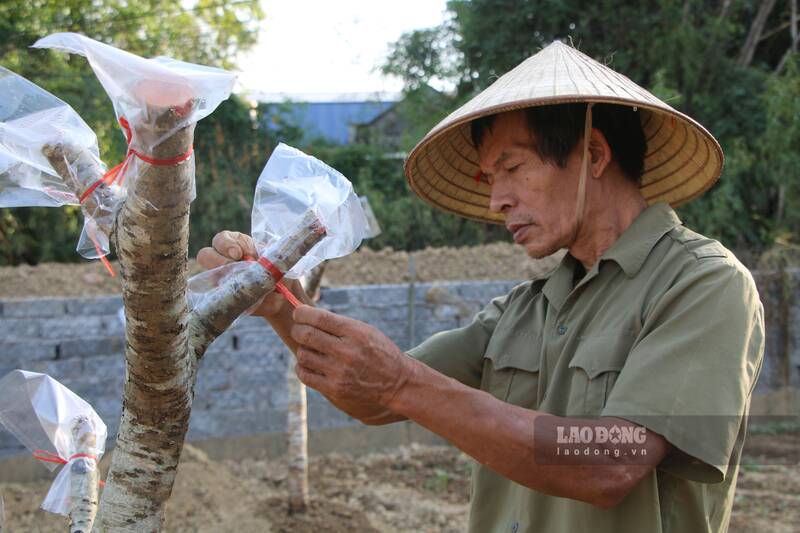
(458, 353)
(690, 374)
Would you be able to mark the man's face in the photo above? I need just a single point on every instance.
(537, 198)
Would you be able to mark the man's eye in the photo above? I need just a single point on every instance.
(513, 168)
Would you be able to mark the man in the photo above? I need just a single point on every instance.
(611, 395)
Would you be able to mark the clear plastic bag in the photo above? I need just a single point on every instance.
(56, 425)
(292, 184)
(47, 153)
(153, 99)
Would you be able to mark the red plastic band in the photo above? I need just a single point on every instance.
(478, 177)
(291, 298)
(272, 269)
(278, 275)
(49, 457)
(114, 173)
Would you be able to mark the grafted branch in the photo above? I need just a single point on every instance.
(84, 478)
(246, 287)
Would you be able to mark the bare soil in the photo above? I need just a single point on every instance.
(414, 489)
(365, 267)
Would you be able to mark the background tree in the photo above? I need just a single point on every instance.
(717, 61)
(210, 32)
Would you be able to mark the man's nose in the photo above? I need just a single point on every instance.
(501, 199)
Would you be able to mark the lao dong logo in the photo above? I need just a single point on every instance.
(600, 435)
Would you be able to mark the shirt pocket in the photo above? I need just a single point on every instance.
(597, 362)
(511, 368)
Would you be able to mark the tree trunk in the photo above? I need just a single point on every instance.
(754, 35)
(164, 343)
(297, 426)
(297, 421)
(151, 239)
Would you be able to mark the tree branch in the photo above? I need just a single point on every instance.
(79, 170)
(756, 29)
(84, 479)
(245, 288)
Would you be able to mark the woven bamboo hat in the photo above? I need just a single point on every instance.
(681, 162)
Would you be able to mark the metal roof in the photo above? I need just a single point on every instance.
(332, 121)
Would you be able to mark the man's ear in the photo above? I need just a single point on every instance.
(599, 153)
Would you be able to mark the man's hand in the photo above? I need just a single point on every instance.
(229, 246)
(347, 360)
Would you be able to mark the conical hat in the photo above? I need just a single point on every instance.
(682, 159)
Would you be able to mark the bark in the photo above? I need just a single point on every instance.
(754, 35)
(79, 170)
(297, 425)
(84, 479)
(246, 287)
(297, 421)
(151, 241)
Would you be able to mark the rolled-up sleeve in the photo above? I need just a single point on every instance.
(692, 369)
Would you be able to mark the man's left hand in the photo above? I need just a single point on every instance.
(346, 359)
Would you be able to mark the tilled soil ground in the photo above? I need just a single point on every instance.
(491, 261)
(409, 489)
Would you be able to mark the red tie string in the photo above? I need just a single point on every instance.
(278, 275)
(117, 173)
(50, 457)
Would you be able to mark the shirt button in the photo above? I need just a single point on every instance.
(562, 329)
(515, 527)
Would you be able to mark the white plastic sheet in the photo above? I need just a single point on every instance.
(291, 183)
(141, 89)
(32, 119)
(44, 415)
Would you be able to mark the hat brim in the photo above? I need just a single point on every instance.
(682, 159)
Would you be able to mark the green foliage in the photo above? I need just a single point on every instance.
(407, 223)
(203, 31)
(687, 52)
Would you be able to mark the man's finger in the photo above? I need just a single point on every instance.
(323, 319)
(208, 258)
(317, 339)
(233, 245)
(313, 360)
(309, 377)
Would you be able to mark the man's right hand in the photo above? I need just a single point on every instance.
(230, 246)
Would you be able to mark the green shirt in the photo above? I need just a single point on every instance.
(665, 330)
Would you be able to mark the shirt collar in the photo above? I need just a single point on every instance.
(629, 251)
(638, 240)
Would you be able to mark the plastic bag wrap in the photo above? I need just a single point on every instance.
(56, 425)
(48, 154)
(153, 99)
(291, 186)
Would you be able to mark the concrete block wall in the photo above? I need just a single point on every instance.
(241, 385)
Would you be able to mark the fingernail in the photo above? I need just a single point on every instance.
(234, 253)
